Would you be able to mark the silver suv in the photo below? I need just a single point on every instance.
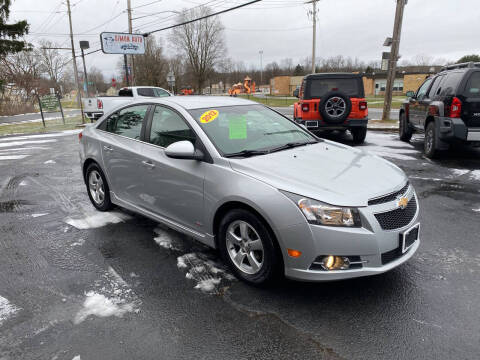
(270, 196)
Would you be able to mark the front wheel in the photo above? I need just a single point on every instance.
(248, 248)
(430, 144)
(404, 129)
(359, 135)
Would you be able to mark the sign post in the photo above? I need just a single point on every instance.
(171, 80)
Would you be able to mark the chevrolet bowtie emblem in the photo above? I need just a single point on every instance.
(402, 202)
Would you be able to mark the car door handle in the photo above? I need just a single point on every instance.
(149, 164)
(107, 148)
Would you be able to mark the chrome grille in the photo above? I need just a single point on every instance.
(389, 197)
(398, 218)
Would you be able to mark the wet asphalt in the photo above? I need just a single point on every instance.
(427, 308)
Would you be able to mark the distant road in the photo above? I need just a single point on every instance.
(373, 114)
(36, 117)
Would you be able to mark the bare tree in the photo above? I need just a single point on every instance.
(151, 68)
(96, 77)
(52, 62)
(200, 42)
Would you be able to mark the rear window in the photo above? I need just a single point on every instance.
(473, 85)
(320, 87)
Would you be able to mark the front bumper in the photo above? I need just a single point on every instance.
(368, 243)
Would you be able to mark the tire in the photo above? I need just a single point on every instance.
(94, 176)
(404, 130)
(335, 107)
(256, 267)
(359, 135)
(430, 142)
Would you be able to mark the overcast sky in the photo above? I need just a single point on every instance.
(281, 28)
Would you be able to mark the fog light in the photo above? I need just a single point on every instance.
(332, 262)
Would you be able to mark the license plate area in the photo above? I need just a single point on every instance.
(408, 238)
(473, 136)
(311, 124)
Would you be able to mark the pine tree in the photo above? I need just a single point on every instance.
(10, 33)
(298, 70)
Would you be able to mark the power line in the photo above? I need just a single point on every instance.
(203, 17)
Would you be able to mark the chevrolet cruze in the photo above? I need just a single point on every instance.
(239, 177)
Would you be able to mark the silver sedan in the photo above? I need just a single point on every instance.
(270, 196)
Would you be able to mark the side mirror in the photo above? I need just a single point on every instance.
(183, 150)
(295, 93)
(410, 94)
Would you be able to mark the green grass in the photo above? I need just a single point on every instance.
(272, 100)
(377, 101)
(37, 127)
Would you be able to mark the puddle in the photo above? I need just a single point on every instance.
(451, 190)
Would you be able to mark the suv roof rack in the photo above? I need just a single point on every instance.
(470, 64)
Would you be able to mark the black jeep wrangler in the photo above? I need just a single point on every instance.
(446, 108)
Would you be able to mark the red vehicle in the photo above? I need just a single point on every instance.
(186, 91)
(333, 101)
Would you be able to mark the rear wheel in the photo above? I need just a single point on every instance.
(430, 144)
(404, 130)
(248, 248)
(359, 135)
(335, 107)
(97, 188)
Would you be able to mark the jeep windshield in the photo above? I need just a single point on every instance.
(249, 130)
(321, 86)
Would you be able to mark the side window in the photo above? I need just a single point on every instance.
(436, 87)
(169, 127)
(450, 83)
(145, 92)
(127, 122)
(422, 91)
(473, 85)
(160, 92)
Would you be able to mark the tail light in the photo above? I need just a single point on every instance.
(362, 105)
(80, 135)
(99, 104)
(456, 108)
(305, 107)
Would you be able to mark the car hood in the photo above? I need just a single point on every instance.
(327, 171)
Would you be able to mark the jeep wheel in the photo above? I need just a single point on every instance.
(404, 129)
(335, 107)
(430, 144)
(359, 135)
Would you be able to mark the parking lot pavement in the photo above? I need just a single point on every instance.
(76, 282)
(36, 117)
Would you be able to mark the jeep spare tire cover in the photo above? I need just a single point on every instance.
(335, 107)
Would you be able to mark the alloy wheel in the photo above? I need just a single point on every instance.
(245, 247)
(335, 107)
(96, 187)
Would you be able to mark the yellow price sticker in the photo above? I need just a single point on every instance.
(208, 116)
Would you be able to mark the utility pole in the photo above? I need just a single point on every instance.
(130, 30)
(261, 67)
(314, 18)
(392, 62)
(75, 71)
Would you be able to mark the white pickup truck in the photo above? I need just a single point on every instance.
(94, 108)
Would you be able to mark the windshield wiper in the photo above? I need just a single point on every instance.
(292, 145)
(284, 132)
(247, 153)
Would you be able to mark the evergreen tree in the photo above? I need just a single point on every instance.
(10, 33)
(298, 70)
(468, 58)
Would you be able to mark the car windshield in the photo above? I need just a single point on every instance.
(248, 130)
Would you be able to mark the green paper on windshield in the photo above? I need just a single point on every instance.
(237, 126)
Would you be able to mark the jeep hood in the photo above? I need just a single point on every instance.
(327, 171)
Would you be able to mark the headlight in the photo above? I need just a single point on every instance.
(319, 213)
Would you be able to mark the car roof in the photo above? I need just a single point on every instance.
(190, 102)
(332, 75)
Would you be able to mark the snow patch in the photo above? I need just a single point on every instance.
(23, 137)
(476, 210)
(6, 309)
(12, 157)
(77, 357)
(475, 175)
(97, 220)
(101, 306)
(26, 142)
(80, 242)
(50, 162)
(208, 285)
(39, 214)
(459, 172)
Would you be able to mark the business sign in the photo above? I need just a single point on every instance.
(121, 43)
(50, 103)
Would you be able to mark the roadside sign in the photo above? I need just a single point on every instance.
(50, 103)
(122, 43)
(171, 79)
